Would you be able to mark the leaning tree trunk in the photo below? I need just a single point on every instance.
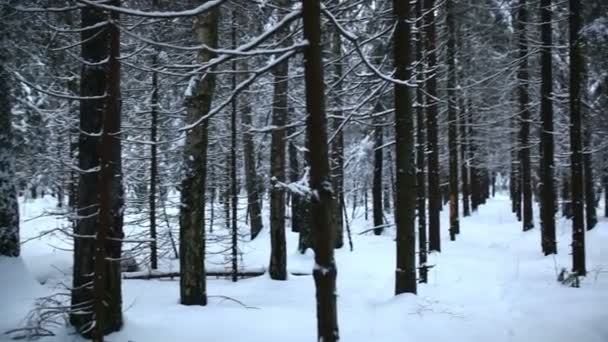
(278, 249)
(405, 208)
(524, 117)
(452, 122)
(434, 193)
(576, 158)
(547, 186)
(325, 271)
(192, 210)
(100, 196)
(420, 151)
(9, 210)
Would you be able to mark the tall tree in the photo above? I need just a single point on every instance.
(252, 186)
(192, 209)
(452, 121)
(9, 211)
(524, 116)
(278, 250)
(325, 271)
(434, 192)
(98, 311)
(547, 186)
(337, 145)
(589, 182)
(576, 158)
(405, 273)
(466, 209)
(106, 280)
(420, 149)
(378, 214)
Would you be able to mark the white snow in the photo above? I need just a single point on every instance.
(492, 284)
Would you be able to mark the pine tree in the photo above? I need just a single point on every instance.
(524, 117)
(576, 159)
(192, 210)
(325, 271)
(405, 274)
(547, 186)
(434, 192)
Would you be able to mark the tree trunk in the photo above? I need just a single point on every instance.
(278, 253)
(233, 148)
(254, 202)
(606, 196)
(325, 270)
(154, 104)
(100, 198)
(420, 151)
(9, 207)
(547, 186)
(107, 300)
(193, 289)
(452, 122)
(337, 145)
(466, 210)
(566, 197)
(590, 212)
(576, 159)
(524, 117)
(378, 214)
(294, 176)
(405, 273)
(434, 193)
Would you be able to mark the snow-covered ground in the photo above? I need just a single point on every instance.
(492, 284)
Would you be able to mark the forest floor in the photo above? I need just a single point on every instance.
(492, 284)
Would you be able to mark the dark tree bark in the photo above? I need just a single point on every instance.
(420, 151)
(252, 184)
(434, 193)
(466, 210)
(294, 176)
(337, 145)
(278, 250)
(474, 171)
(405, 273)
(547, 186)
(566, 197)
(100, 197)
(606, 196)
(590, 212)
(9, 208)
(107, 280)
(524, 117)
(193, 287)
(378, 214)
(154, 104)
(576, 159)
(325, 271)
(233, 148)
(452, 122)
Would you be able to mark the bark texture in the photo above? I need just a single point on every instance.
(192, 211)
(405, 273)
(325, 271)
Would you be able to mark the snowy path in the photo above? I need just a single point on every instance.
(492, 284)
